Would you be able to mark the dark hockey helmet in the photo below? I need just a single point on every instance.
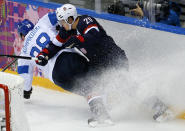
(24, 27)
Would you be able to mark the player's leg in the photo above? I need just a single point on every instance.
(70, 72)
(25, 70)
(87, 87)
(94, 94)
(67, 68)
(99, 112)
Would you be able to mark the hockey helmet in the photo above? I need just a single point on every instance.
(24, 27)
(66, 11)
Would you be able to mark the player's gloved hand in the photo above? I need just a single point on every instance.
(74, 41)
(42, 58)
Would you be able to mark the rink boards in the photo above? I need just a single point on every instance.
(42, 82)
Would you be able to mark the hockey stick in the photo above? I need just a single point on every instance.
(19, 57)
(6, 67)
(77, 50)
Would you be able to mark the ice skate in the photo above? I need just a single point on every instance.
(100, 115)
(161, 111)
(164, 115)
(27, 94)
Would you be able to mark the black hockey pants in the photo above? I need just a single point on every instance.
(69, 67)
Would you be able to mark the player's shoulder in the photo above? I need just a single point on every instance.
(48, 19)
(86, 20)
(52, 18)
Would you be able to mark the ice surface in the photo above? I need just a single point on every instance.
(49, 110)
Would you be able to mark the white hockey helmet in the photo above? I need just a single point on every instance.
(66, 11)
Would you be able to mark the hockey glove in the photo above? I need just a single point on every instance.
(42, 57)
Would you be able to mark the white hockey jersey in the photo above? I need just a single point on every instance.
(37, 39)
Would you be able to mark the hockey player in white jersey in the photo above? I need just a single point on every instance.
(35, 39)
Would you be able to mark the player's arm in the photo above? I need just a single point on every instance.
(54, 46)
(47, 53)
(90, 31)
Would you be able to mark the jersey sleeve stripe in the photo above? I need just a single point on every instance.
(58, 41)
(52, 18)
(80, 38)
(23, 69)
(94, 26)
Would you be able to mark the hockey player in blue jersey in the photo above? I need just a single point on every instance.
(100, 53)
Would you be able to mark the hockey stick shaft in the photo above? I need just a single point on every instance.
(19, 57)
(6, 67)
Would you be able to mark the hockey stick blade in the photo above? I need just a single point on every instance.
(19, 57)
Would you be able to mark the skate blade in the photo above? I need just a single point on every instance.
(104, 123)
